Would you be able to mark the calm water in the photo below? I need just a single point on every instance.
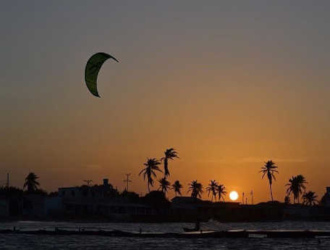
(101, 242)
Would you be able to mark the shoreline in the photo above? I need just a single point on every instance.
(87, 221)
(193, 234)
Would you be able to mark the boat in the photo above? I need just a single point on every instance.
(195, 229)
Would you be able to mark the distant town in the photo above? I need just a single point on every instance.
(103, 202)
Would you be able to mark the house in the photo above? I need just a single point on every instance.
(99, 201)
(34, 205)
(53, 206)
(326, 198)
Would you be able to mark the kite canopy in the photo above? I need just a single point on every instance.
(92, 69)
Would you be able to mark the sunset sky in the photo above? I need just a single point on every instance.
(228, 84)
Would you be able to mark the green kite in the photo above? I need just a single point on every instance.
(92, 69)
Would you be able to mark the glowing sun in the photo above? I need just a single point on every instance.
(233, 195)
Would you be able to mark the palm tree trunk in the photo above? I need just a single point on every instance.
(271, 191)
(166, 172)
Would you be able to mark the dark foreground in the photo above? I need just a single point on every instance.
(161, 236)
(194, 235)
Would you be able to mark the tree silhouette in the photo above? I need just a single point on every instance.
(309, 198)
(287, 200)
(14, 197)
(196, 189)
(31, 182)
(149, 171)
(269, 169)
(221, 190)
(212, 189)
(164, 185)
(177, 188)
(157, 200)
(296, 186)
(170, 154)
(130, 196)
(9, 192)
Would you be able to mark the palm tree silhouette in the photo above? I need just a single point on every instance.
(149, 171)
(296, 186)
(170, 154)
(221, 192)
(177, 188)
(212, 189)
(292, 188)
(196, 189)
(269, 169)
(31, 182)
(164, 185)
(309, 198)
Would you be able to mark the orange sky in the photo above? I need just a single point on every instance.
(228, 85)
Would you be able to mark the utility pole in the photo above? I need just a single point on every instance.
(7, 184)
(243, 198)
(127, 180)
(251, 196)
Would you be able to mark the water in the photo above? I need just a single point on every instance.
(22, 241)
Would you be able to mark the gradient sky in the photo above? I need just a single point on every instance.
(229, 84)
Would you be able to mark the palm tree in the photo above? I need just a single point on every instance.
(310, 198)
(269, 169)
(196, 189)
(292, 188)
(221, 192)
(149, 171)
(296, 186)
(164, 185)
(170, 154)
(177, 188)
(31, 182)
(212, 188)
